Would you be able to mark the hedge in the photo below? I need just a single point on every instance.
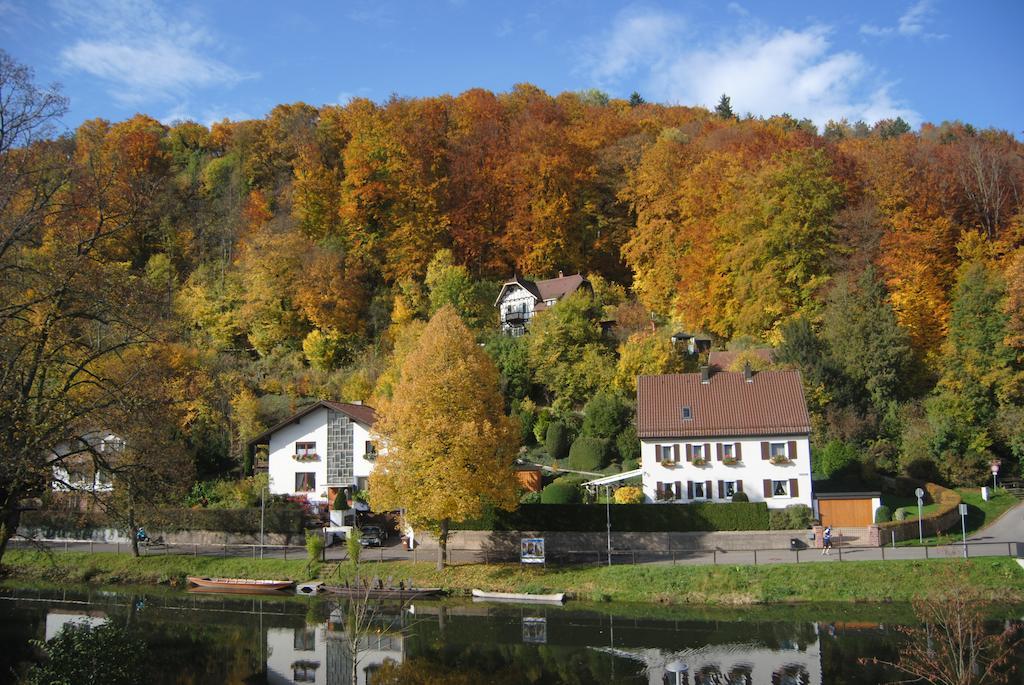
(282, 519)
(589, 454)
(637, 518)
(943, 517)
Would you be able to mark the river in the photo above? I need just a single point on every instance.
(205, 638)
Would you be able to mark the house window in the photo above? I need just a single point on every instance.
(699, 452)
(304, 640)
(369, 451)
(304, 671)
(666, 453)
(687, 413)
(698, 490)
(728, 450)
(730, 488)
(305, 450)
(777, 450)
(780, 488)
(305, 482)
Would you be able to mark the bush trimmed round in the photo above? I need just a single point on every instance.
(557, 440)
(589, 454)
(740, 497)
(561, 491)
(883, 514)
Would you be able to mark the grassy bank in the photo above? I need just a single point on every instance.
(980, 513)
(866, 581)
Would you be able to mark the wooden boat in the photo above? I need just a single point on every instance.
(482, 596)
(357, 592)
(238, 584)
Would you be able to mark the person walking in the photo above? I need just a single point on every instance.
(826, 542)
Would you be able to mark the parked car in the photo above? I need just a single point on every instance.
(373, 536)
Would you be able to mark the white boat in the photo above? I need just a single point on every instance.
(483, 596)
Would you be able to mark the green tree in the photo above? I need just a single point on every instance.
(556, 440)
(565, 349)
(636, 99)
(446, 445)
(81, 654)
(724, 108)
(605, 415)
(864, 338)
(646, 353)
(512, 359)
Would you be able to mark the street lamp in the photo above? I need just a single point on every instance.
(920, 523)
(262, 510)
(995, 471)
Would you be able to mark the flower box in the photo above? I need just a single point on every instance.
(730, 461)
(779, 459)
(699, 461)
(306, 457)
(668, 464)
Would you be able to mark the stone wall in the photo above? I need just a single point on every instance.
(183, 537)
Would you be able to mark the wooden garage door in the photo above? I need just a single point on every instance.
(845, 512)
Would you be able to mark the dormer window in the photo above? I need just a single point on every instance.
(687, 413)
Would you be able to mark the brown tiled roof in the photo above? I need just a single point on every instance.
(357, 412)
(772, 404)
(722, 360)
(557, 288)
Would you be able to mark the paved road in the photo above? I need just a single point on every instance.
(1008, 528)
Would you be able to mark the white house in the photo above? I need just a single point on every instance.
(705, 436)
(76, 462)
(320, 450)
(520, 299)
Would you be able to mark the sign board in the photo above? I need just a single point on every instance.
(963, 510)
(995, 467)
(919, 492)
(531, 550)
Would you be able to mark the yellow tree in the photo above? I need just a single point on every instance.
(447, 446)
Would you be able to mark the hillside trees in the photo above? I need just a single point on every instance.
(447, 446)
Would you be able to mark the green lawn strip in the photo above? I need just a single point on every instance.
(867, 581)
(979, 514)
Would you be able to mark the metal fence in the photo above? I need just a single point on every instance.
(461, 556)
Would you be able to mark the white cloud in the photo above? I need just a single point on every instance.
(764, 72)
(912, 23)
(142, 53)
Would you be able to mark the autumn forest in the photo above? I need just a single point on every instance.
(252, 265)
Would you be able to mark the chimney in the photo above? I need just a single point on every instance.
(705, 375)
(748, 374)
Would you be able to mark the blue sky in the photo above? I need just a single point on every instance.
(924, 60)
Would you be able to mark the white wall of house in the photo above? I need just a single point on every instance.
(312, 428)
(748, 474)
(515, 299)
(77, 471)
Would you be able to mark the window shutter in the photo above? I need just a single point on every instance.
(675, 453)
(719, 451)
(689, 489)
(658, 488)
(739, 486)
(679, 490)
(708, 492)
(721, 489)
(657, 453)
(739, 451)
(707, 451)
(767, 488)
(794, 488)
(689, 452)
(764, 451)
(792, 449)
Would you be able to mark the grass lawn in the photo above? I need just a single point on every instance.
(867, 581)
(979, 514)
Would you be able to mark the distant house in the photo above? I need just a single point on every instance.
(705, 436)
(77, 462)
(721, 360)
(695, 344)
(320, 450)
(520, 299)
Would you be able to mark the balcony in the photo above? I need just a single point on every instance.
(515, 318)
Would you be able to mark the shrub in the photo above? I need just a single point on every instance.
(352, 546)
(605, 415)
(883, 514)
(628, 445)
(837, 459)
(629, 494)
(793, 517)
(557, 440)
(589, 454)
(900, 515)
(639, 518)
(740, 497)
(541, 423)
(561, 491)
(340, 500)
(530, 498)
(527, 418)
(314, 544)
(84, 654)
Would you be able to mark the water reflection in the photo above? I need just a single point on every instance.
(214, 639)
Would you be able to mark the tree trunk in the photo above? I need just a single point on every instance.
(133, 530)
(10, 517)
(442, 545)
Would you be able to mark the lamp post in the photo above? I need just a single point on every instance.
(262, 510)
(995, 471)
(963, 526)
(608, 517)
(920, 523)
